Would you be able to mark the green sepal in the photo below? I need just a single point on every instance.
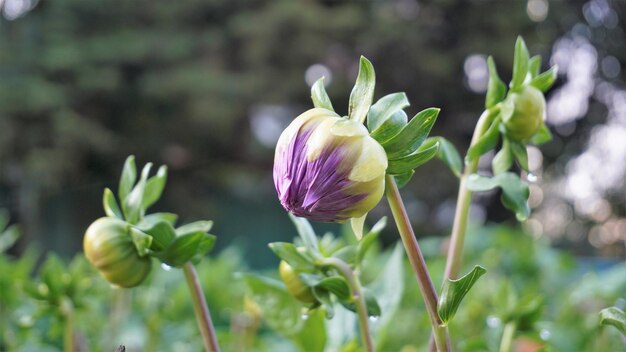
(320, 97)
(363, 92)
(453, 292)
(196, 226)
(503, 160)
(496, 89)
(520, 64)
(403, 179)
(486, 142)
(449, 155)
(141, 240)
(132, 205)
(382, 111)
(412, 135)
(543, 135)
(391, 127)
(162, 233)
(521, 154)
(154, 188)
(289, 253)
(615, 317)
(514, 191)
(151, 219)
(534, 66)
(186, 248)
(409, 162)
(111, 208)
(544, 81)
(128, 178)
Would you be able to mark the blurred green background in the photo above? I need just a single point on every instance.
(206, 87)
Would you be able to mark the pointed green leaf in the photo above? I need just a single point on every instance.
(132, 205)
(544, 81)
(154, 187)
(454, 291)
(196, 226)
(8, 237)
(520, 64)
(412, 135)
(128, 178)
(371, 304)
(162, 235)
(542, 136)
(521, 154)
(141, 240)
(151, 219)
(503, 160)
(384, 108)
(514, 191)
(347, 253)
(363, 92)
(186, 248)
(319, 96)
(337, 285)
(289, 253)
(407, 163)
(448, 154)
(496, 89)
(391, 127)
(323, 296)
(305, 230)
(403, 179)
(615, 317)
(370, 238)
(534, 66)
(110, 205)
(486, 142)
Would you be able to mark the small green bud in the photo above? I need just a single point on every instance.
(523, 113)
(294, 284)
(108, 245)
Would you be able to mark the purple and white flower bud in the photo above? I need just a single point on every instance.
(328, 168)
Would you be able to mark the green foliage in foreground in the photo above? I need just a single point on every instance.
(552, 300)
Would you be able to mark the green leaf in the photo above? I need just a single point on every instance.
(305, 230)
(407, 163)
(53, 274)
(320, 97)
(389, 288)
(363, 92)
(403, 179)
(289, 253)
(449, 155)
(542, 136)
(323, 296)
(486, 142)
(151, 219)
(503, 160)
(347, 254)
(615, 317)
(371, 304)
(337, 285)
(496, 89)
(369, 239)
(132, 204)
(110, 205)
(8, 237)
(196, 226)
(279, 309)
(412, 135)
(162, 235)
(312, 336)
(534, 66)
(520, 64)
(141, 240)
(186, 248)
(544, 81)
(521, 154)
(391, 127)
(128, 178)
(154, 187)
(514, 191)
(384, 109)
(453, 292)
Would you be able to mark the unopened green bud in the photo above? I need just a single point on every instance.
(523, 113)
(294, 284)
(108, 245)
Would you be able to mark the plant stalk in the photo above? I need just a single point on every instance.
(67, 309)
(440, 331)
(203, 317)
(507, 337)
(357, 296)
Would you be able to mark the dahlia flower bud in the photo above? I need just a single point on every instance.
(109, 247)
(526, 112)
(328, 168)
(294, 284)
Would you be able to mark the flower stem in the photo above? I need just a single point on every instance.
(203, 317)
(357, 297)
(464, 200)
(507, 337)
(440, 331)
(67, 310)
